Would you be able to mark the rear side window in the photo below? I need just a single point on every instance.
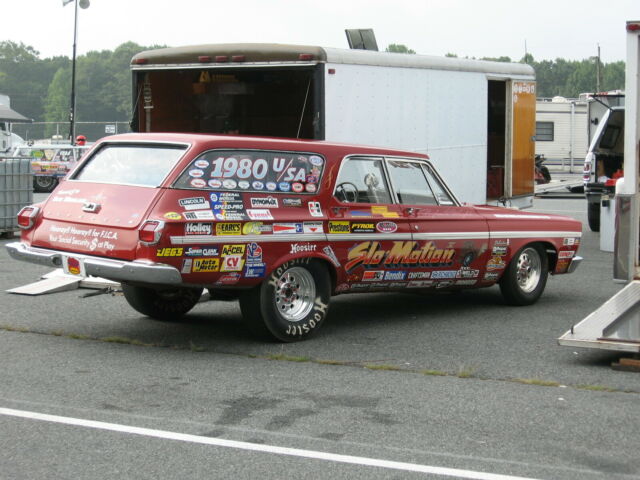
(257, 171)
(141, 165)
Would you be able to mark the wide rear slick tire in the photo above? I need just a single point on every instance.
(162, 304)
(526, 276)
(593, 216)
(291, 304)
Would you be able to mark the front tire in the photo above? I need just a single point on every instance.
(161, 304)
(526, 276)
(291, 304)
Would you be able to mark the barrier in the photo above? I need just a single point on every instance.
(16, 191)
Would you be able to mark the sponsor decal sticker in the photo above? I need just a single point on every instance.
(302, 247)
(313, 227)
(386, 227)
(339, 227)
(468, 273)
(292, 202)
(198, 229)
(196, 173)
(215, 183)
(311, 188)
(499, 250)
(202, 163)
(439, 274)
(466, 282)
(244, 185)
(297, 187)
(229, 279)
(363, 227)
(395, 275)
(169, 252)
(373, 275)
(194, 203)
(232, 263)
(284, 186)
(254, 253)
(315, 209)
(229, 184)
(271, 186)
(343, 287)
(255, 271)
(279, 228)
(257, 185)
(420, 284)
(233, 250)
(416, 275)
(199, 215)
(201, 252)
(264, 202)
(316, 160)
(172, 216)
(259, 214)
(228, 229)
(491, 276)
(495, 263)
(255, 228)
(206, 265)
(571, 241)
(382, 210)
(566, 254)
(186, 265)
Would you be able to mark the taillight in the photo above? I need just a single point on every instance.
(27, 217)
(150, 232)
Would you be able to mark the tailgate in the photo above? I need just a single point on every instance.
(96, 219)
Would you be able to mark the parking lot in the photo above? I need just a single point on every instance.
(395, 386)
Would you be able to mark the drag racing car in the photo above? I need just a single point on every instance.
(282, 225)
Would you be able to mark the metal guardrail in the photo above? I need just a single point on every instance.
(16, 191)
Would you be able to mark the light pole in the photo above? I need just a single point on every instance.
(72, 107)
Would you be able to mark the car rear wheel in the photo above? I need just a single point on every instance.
(161, 304)
(44, 184)
(291, 304)
(593, 216)
(526, 276)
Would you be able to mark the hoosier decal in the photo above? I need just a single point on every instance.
(402, 254)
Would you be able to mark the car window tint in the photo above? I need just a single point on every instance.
(130, 165)
(410, 183)
(362, 180)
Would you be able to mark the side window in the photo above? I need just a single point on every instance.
(441, 193)
(410, 183)
(362, 180)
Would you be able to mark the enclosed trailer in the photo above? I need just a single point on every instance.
(475, 119)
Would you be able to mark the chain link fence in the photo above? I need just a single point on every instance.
(46, 130)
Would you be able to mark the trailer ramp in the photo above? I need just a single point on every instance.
(613, 326)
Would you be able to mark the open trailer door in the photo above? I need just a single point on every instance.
(523, 98)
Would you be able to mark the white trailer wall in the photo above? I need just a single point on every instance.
(441, 113)
(570, 128)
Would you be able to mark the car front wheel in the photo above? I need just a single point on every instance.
(161, 304)
(526, 276)
(291, 304)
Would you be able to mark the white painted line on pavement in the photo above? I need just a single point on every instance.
(293, 452)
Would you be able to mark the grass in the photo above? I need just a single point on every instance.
(466, 372)
(437, 373)
(536, 381)
(596, 388)
(391, 368)
(287, 358)
(124, 341)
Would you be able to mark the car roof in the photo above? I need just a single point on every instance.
(209, 141)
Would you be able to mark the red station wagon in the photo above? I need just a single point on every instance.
(283, 225)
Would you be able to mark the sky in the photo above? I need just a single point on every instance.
(570, 29)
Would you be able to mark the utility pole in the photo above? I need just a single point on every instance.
(598, 70)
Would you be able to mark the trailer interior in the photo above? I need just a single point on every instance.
(282, 102)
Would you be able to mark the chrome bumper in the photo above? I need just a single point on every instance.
(575, 261)
(118, 270)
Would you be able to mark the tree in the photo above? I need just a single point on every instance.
(399, 48)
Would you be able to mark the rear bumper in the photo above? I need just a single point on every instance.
(575, 262)
(118, 270)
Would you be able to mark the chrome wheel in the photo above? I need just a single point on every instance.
(294, 294)
(528, 269)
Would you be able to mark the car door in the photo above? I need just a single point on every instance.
(365, 227)
(450, 241)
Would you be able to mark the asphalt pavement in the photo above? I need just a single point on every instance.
(394, 386)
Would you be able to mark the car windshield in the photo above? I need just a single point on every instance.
(142, 165)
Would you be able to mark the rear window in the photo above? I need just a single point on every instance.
(256, 171)
(139, 165)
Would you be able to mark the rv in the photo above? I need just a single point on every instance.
(475, 119)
